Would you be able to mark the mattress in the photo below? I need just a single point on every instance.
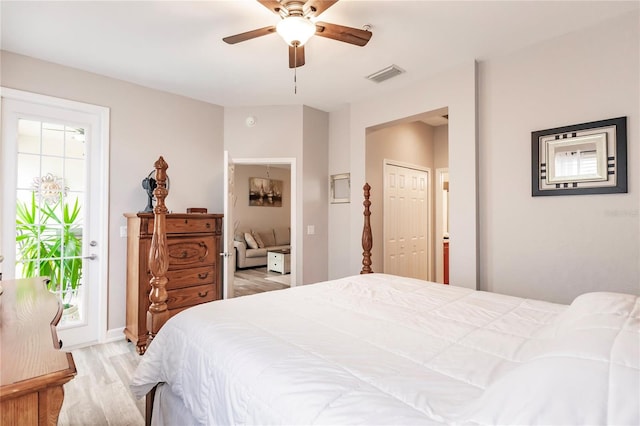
(380, 349)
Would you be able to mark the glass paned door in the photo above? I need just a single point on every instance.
(55, 162)
(50, 205)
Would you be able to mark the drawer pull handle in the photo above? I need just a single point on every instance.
(186, 221)
(203, 275)
(206, 251)
(208, 225)
(183, 254)
(203, 294)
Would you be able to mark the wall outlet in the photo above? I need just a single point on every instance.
(311, 229)
(123, 231)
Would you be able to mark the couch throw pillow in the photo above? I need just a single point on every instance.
(267, 237)
(259, 241)
(251, 242)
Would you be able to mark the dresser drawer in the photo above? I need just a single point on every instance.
(191, 252)
(191, 296)
(179, 278)
(182, 225)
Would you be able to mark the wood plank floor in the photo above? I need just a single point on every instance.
(254, 280)
(100, 394)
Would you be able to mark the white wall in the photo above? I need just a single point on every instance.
(557, 247)
(315, 195)
(296, 132)
(145, 124)
(339, 214)
(409, 143)
(456, 90)
(551, 248)
(259, 217)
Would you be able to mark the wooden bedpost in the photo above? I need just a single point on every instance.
(367, 238)
(158, 257)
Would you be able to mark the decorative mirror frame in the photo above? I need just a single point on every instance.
(606, 138)
(340, 188)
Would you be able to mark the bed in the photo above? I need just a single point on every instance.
(380, 349)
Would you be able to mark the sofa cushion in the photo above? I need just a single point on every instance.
(239, 236)
(282, 236)
(251, 242)
(258, 239)
(261, 252)
(267, 237)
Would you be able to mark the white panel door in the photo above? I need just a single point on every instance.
(390, 264)
(406, 222)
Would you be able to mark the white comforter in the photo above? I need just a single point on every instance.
(379, 349)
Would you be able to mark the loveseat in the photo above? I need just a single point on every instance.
(252, 245)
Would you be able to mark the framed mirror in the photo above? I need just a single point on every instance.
(587, 158)
(340, 188)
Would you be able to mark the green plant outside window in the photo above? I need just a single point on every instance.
(49, 243)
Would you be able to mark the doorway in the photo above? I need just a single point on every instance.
(242, 214)
(55, 193)
(419, 142)
(442, 225)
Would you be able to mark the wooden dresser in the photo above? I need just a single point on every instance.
(32, 367)
(194, 275)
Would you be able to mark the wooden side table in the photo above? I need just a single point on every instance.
(32, 367)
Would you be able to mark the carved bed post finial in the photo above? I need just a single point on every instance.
(158, 257)
(367, 238)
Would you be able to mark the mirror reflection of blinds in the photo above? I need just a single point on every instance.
(576, 163)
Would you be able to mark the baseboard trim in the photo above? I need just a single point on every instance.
(114, 334)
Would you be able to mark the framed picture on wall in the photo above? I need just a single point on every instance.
(587, 158)
(339, 188)
(265, 192)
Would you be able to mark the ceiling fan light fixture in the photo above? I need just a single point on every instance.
(296, 30)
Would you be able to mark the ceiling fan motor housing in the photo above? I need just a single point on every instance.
(296, 27)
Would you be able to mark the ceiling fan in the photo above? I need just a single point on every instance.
(298, 24)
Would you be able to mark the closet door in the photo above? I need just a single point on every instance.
(406, 222)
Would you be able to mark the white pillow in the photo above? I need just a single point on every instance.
(251, 242)
(550, 391)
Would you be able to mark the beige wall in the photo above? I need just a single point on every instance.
(409, 143)
(339, 214)
(557, 247)
(455, 89)
(441, 147)
(145, 123)
(315, 192)
(552, 248)
(255, 217)
(299, 133)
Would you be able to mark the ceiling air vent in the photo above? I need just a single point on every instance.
(385, 74)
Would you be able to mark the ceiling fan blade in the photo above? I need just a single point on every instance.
(272, 5)
(249, 35)
(296, 58)
(345, 34)
(315, 7)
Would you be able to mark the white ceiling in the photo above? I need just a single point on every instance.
(177, 46)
